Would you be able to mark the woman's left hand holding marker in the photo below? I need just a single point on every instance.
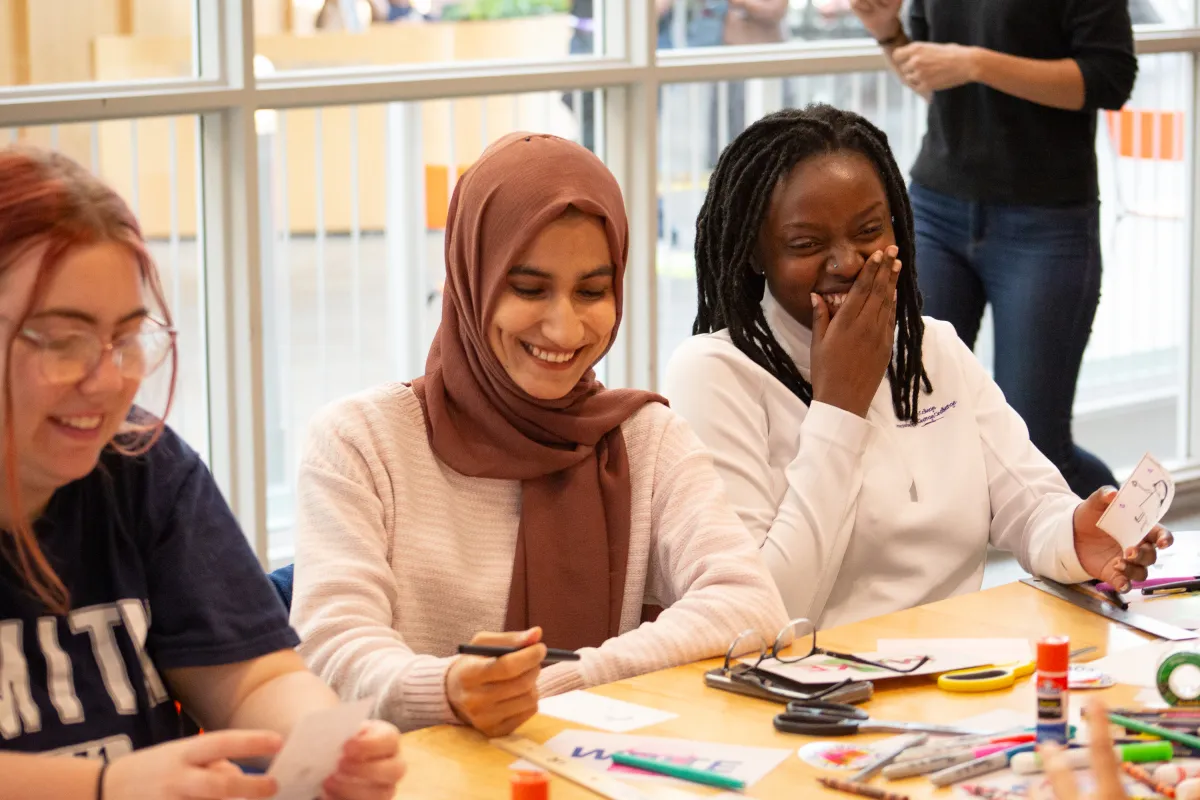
(497, 695)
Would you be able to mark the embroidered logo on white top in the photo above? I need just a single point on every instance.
(928, 416)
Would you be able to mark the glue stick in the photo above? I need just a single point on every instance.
(1053, 663)
(1188, 790)
(530, 785)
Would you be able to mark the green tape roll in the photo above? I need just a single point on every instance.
(1178, 678)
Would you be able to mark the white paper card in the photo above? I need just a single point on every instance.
(1143, 500)
(605, 713)
(992, 651)
(593, 751)
(314, 748)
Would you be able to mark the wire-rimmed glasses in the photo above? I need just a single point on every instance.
(70, 357)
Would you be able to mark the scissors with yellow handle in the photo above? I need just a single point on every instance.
(985, 679)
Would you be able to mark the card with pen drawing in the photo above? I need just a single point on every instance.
(1142, 502)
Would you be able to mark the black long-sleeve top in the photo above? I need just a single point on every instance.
(987, 146)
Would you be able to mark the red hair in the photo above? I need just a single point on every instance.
(46, 199)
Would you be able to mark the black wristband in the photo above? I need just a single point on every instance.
(893, 39)
(100, 781)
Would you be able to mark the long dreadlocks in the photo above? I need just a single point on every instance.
(731, 219)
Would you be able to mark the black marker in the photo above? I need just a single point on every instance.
(1115, 598)
(489, 651)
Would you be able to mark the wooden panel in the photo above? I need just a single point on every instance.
(162, 18)
(14, 43)
(272, 17)
(457, 135)
(125, 58)
(61, 43)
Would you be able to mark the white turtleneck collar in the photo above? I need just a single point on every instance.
(794, 337)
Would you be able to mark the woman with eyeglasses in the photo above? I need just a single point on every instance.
(125, 581)
(506, 497)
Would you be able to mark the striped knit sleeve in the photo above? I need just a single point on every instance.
(345, 587)
(704, 567)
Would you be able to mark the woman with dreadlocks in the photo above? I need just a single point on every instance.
(865, 448)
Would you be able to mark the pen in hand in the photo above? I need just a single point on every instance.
(553, 656)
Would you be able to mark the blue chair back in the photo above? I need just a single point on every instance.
(283, 578)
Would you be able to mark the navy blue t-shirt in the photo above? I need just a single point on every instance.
(160, 577)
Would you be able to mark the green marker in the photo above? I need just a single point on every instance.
(1185, 739)
(678, 771)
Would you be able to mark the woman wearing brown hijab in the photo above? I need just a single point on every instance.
(507, 489)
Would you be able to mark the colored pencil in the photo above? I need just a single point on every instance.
(1187, 740)
(678, 771)
(860, 789)
(1139, 774)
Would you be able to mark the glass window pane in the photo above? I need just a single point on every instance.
(1133, 384)
(152, 164)
(81, 41)
(354, 208)
(1175, 13)
(712, 23)
(330, 34)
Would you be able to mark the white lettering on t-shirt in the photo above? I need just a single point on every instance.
(60, 678)
(15, 697)
(107, 749)
(137, 621)
(98, 621)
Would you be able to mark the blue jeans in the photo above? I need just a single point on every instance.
(1039, 268)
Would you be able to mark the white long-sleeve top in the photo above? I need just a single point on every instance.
(399, 559)
(861, 517)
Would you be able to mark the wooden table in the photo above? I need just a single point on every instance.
(453, 762)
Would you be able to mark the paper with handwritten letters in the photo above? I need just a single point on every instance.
(1140, 504)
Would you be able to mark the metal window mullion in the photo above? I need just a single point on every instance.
(1189, 410)
(631, 122)
(233, 287)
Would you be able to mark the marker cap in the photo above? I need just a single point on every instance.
(530, 785)
(1147, 752)
(1054, 654)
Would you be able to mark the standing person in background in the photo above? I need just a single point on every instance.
(755, 22)
(583, 43)
(1005, 190)
(750, 22)
(703, 24)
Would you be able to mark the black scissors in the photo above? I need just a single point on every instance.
(820, 718)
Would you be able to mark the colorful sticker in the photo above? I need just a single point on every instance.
(836, 755)
(1081, 676)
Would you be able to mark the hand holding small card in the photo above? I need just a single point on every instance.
(1143, 501)
(314, 748)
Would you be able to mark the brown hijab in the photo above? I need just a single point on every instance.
(573, 540)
